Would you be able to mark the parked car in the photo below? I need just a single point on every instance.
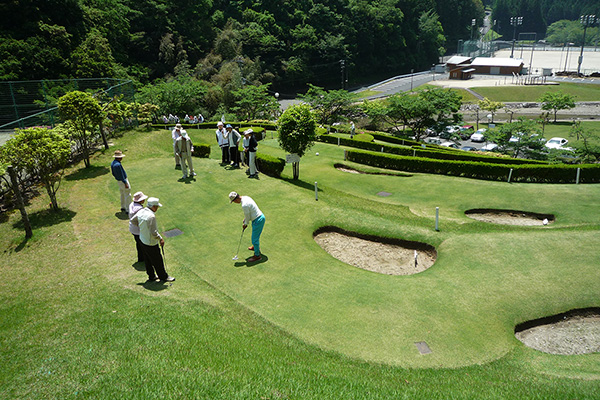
(465, 132)
(449, 144)
(469, 148)
(433, 140)
(556, 143)
(478, 136)
(449, 131)
(489, 147)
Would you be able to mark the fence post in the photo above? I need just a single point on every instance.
(437, 218)
(578, 174)
(316, 192)
(510, 175)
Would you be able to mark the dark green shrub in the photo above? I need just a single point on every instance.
(201, 150)
(269, 165)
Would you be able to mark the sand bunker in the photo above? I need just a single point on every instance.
(575, 332)
(382, 255)
(509, 217)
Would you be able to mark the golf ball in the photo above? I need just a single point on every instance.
(317, 153)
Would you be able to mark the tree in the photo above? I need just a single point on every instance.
(555, 101)
(329, 105)
(520, 138)
(42, 154)
(297, 132)
(491, 106)
(253, 102)
(83, 113)
(586, 147)
(419, 115)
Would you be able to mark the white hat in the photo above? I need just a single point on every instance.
(138, 197)
(220, 123)
(178, 126)
(233, 196)
(153, 201)
(248, 131)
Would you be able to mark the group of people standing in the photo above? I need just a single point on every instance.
(228, 140)
(142, 220)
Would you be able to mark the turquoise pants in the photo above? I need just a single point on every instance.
(257, 227)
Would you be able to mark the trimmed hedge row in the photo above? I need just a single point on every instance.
(201, 150)
(268, 165)
(556, 173)
(435, 153)
(213, 124)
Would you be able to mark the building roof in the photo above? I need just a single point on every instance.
(457, 60)
(496, 62)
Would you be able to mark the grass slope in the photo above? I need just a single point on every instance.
(77, 320)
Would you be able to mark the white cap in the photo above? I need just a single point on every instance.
(153, 201)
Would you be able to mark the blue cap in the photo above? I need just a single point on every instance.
(228, 126)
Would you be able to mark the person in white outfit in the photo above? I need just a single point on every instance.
(223, 142)
(250, 145)
(233, 138)
(176, 133)
(183, 147)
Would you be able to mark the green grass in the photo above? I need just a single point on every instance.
(76, 319)
(581, 92)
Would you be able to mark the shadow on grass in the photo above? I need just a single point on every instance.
(48, 217)
(301, 184)
(264, 259)
(122, 215)
(139, 266)
(88, 173)
(155, 286)
(187, 180)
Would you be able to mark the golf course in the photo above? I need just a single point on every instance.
(79, 320)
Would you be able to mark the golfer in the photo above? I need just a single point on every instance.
(175, 134)
(121, 176)
(183, 148)
(136, 205)
(251, 214)
(146, 220)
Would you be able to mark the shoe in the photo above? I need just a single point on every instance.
(193, 174)
(251, 248)
(177, 166)
(150, 280)
(251, 176)
(184, 177)
(168, 279)
(123, 210)
(254, 258)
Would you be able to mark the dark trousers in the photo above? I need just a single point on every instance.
(139, 247)
(225, 154)
(234, 155)
(155, 266)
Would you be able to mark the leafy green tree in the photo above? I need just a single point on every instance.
(392, 111)
(83, 113)
(178, 96)
(329, 105)
(520, 138)
(419, 113)
(491, 106)
(586, 146)
(93, 58)
(555, 101)
(446, 103)
(40, 153)
(296, 129)
(253, 102)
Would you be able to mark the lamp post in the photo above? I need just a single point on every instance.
(586, 20)
(411, 79)
(515, 21)
(567, 56)
(473, 21)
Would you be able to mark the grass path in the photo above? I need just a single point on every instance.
(76, 318)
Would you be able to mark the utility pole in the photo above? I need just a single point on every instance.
(515, 21)
(586, 21)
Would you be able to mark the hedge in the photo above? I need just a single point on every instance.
(268, 165)
(213, 125)
(556, 173)
(201, 150)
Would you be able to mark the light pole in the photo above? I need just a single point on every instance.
(567, 56)
(473, 21)
(515, 21)
(343, 66)
(411, 79)
(586, 20)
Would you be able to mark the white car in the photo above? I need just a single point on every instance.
(478, 136)
(489, 147)
(556, 143)
(449, 144)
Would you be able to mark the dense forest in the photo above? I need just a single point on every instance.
(286, 42)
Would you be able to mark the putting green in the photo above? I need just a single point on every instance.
(486, 279)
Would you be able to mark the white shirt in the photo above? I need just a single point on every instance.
(133, 209)
(222, 137)
(183, 144)
(146, 220)
(177, 133)
(251, 210)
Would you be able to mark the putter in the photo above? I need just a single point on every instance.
(238, 249)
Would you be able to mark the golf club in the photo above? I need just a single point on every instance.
(238, 249)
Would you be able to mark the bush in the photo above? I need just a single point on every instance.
(590, 173)
(201, 150)
(364, 137)
(268, 165)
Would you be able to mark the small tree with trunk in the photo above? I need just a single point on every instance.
(557, 101)
(84, 113)
(491, 106)
(297, 132)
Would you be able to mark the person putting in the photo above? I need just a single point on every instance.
(251, 214)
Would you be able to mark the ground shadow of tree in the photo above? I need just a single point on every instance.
(301, 184)
(88, 173)
(48, 217)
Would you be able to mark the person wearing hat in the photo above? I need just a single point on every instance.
(183, 147)
(136, 205)
(121, 176)
(223, 142)
(250, 145)
(175, 134)
(252, 214)
(233, 137)
(145, 219)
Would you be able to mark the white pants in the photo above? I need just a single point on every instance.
(252, 162)
(186, 158)
(125, 195)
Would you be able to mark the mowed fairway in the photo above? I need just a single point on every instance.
(487, 278)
